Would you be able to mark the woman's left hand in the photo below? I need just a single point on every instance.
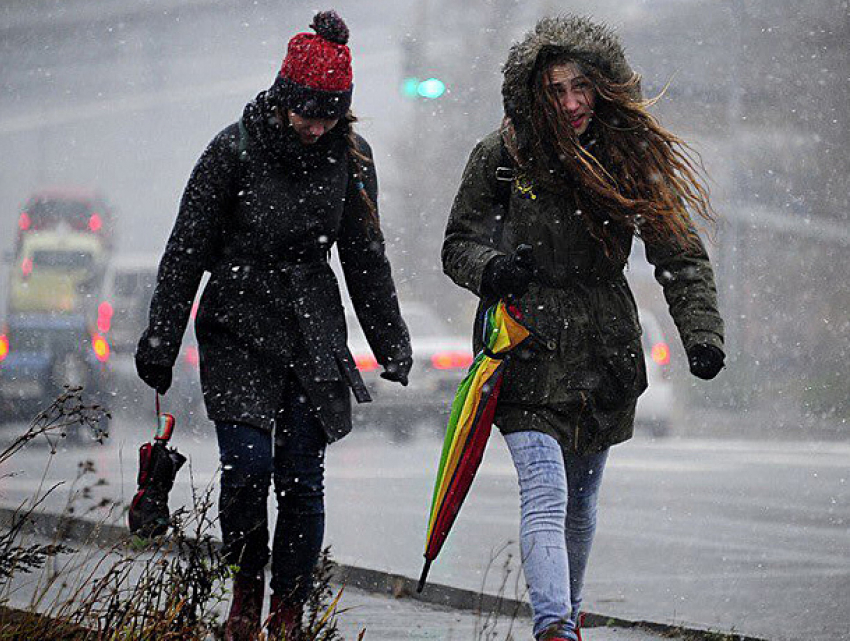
(397, 371)
(705, 361)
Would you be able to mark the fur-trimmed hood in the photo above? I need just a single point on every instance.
(590, 42)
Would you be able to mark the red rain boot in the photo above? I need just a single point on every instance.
(243, 622)
(284, 620)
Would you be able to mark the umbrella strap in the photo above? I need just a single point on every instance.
(535, 333)
(491, 354)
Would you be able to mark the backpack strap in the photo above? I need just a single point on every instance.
(506, 173)
(242, 146)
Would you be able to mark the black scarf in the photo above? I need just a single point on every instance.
(280, 143)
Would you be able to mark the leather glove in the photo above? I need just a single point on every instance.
(397, 371)
(705, 361)
(509, 275)
(155, 376)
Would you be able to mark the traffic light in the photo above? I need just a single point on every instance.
(410, 87)
(430, 89)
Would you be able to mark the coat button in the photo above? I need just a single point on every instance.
(551, 345)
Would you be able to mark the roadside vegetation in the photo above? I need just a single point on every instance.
(170, 588)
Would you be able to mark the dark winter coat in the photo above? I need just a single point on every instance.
(581, 381)
(261, 213)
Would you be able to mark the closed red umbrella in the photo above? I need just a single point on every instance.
(149, 515)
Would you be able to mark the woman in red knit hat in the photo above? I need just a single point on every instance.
(265, 203)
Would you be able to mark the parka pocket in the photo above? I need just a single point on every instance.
(622, 367)
(623, 375)
(529, 372)
(229, 304)
(320, 317)
(619, 351)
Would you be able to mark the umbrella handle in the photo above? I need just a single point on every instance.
(535, 333)
(423, 576)
(164, 423)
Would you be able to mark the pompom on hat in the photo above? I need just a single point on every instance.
(315, 79)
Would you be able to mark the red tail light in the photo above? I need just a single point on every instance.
(661, 353)
(26, 267)
(365, 362)
(192, 356)
(100, 347)
(104, 317)
(451, 360)
(4, 347)
(24, 221)
(95, 223)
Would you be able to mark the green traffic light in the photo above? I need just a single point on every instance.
(431, 88)
(410, 87)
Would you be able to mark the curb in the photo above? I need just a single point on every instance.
(397, 586)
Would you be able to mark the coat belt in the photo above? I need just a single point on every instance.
(566, 280)
(283, 264)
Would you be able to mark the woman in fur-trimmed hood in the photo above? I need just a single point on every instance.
(544, 217)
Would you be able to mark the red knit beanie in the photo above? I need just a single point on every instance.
(315, 80)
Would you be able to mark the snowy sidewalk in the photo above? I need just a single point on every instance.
(388, 619)
(385, 605)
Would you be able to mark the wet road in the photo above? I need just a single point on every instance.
(740, 535)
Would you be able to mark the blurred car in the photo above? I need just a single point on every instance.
(126, 297)
(656, 405)
(440, 361)
(50, 338)
(123, 315)
(57, 272)
(40, 353)
(185, 399)
(76, 208)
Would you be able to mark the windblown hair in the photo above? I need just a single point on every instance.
(637, 178)
(359, 160)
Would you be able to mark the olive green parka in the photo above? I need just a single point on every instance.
(579, 378)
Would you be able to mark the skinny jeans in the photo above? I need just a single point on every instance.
(559, 491)
(250, 460)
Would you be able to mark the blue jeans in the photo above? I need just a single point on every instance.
(249, 462)
(558, 494)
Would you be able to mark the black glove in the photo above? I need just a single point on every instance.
(705, 361)
(156, 376)
(397, 371)
(509, 275)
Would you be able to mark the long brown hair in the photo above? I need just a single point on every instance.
(636, 178)
(359, 160)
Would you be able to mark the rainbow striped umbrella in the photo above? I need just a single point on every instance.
(469, 425)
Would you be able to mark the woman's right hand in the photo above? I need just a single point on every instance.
(154, 375)
(398, 370)
(509, 275)
(705, 361)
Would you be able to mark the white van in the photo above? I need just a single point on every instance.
(656, 406)
(127, 291)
